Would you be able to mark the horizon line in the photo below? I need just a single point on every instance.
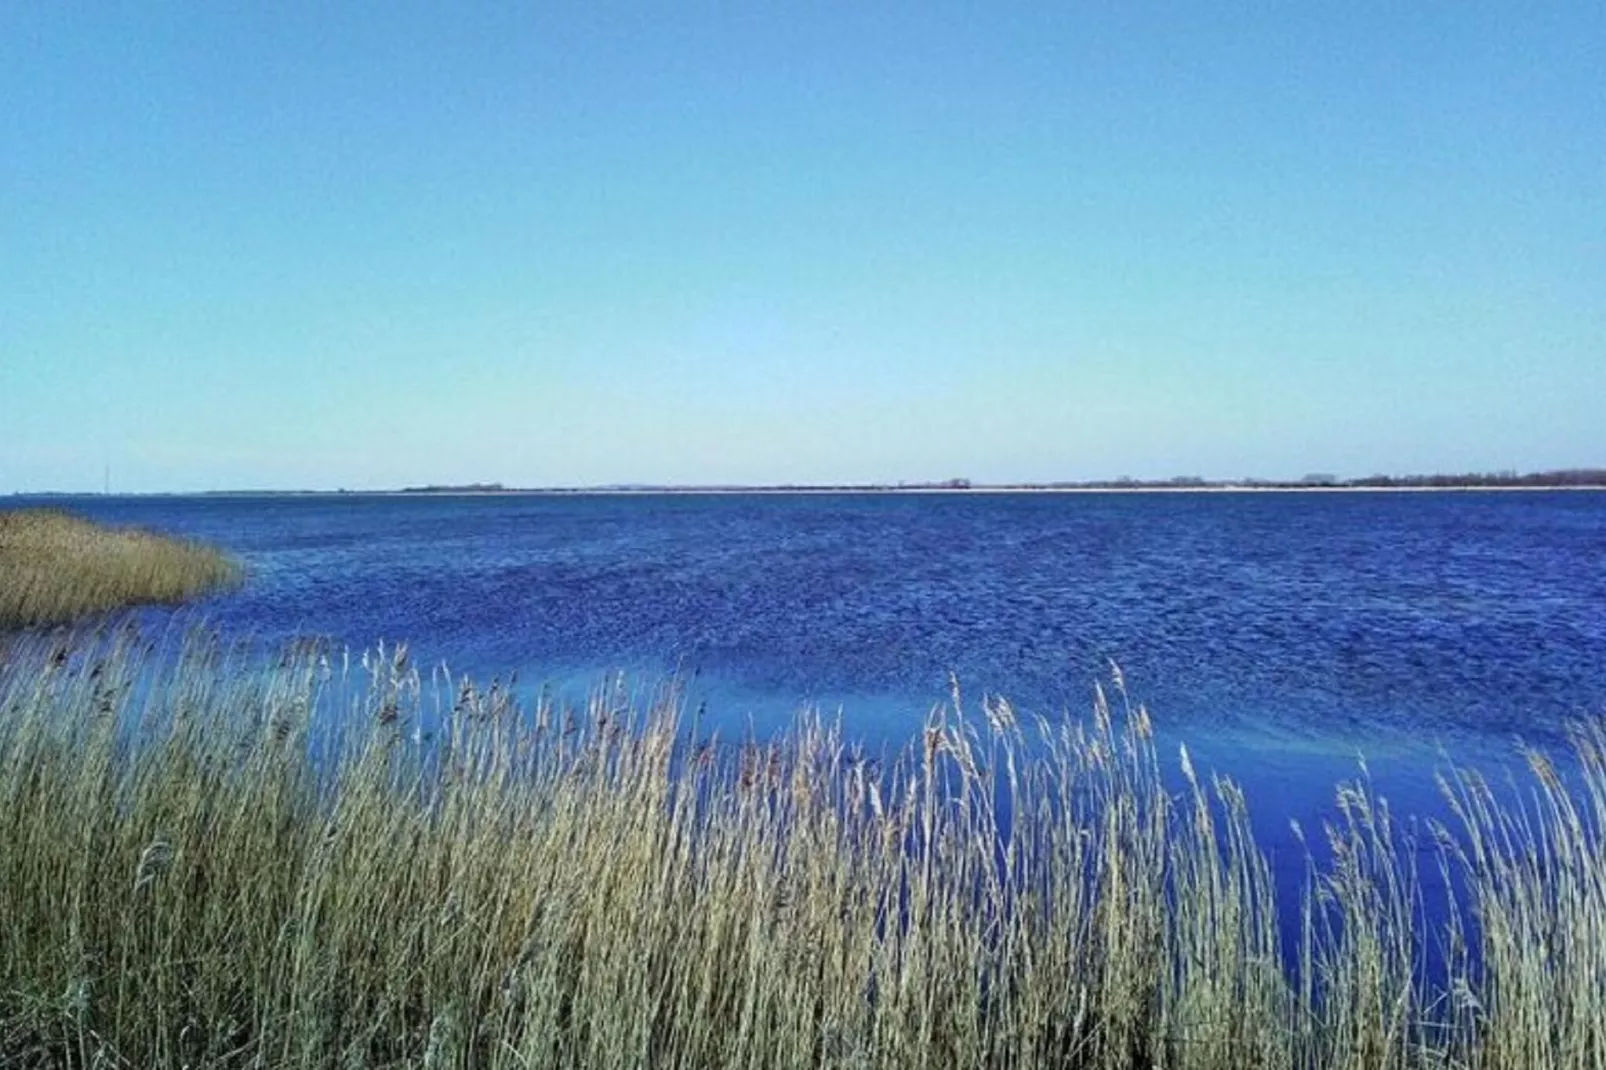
(1581, 478)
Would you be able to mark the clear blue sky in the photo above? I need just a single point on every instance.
(321, 245)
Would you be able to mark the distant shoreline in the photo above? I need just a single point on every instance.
(575, 492)
(782, 491)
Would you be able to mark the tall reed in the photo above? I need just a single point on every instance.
(209, 861)
(55, 567)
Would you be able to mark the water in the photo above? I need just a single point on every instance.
(1302, 622)
(1280, 635)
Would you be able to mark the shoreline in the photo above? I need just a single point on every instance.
(57, 567)
(780, 491)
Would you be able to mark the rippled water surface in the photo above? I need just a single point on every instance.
(1302, 623)
(1280, 635)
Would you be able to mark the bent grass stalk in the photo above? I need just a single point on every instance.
(55, 567)
(203, 867)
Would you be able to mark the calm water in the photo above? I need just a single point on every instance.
(1279, 634)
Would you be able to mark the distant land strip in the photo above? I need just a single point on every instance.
(1557, 479)
(1586, 478)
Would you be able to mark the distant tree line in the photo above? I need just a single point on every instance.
(1567, 477)
(455, 488)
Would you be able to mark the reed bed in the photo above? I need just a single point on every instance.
(55, 567)
(209, 861)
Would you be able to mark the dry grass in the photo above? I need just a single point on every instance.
(185, 885)
(55, 567)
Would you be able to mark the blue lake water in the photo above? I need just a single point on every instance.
(1278, 634)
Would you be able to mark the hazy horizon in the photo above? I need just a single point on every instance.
(305, 248)
(1313, 481)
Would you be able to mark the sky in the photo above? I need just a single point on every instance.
(302, 245)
